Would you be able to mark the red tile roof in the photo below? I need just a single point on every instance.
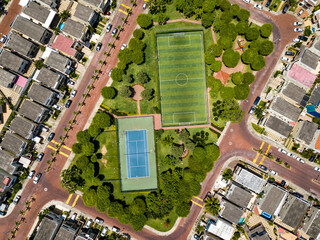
(302, 75)
(64, 44)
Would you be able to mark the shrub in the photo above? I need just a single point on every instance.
(127, 78)
(266, 47)
(242, 27)
(83, 137)
(230, 58)
(147, 94)
(126, 91)
(144, 21)
(227, 93)
(77, 148)
(237, 78)
(138, 33)
(142, 77)
(252, 34)
(241, 92)
(225, 42)
(215, 49)
(116, 74)
(108, 92)
(266, 30)
(248, 78)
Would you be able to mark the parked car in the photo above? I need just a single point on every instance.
(3, 38)
(296, 40)
(252, 110)
(290, 154)
(73, 217)
(257, 6)
(16, 199)
(104, 231)
(317, 169)
(246, 1)
(57, 107)
(300, 160)
(256, 101)
(99, 220)
(285, 8)
(300, 12)
(303, 38)
(68, 104)
(110, 72)
(268, 3)
(31, 174)
(114, 32)
(297, 29)
(37, 178)
(313, 158)
(127, 235)
(195, 236)
(272, 172)
(109, 27)
(282, 151)
(285, 59)
(40, 156)
(144, 6)
(88, 224)
(283, 183)
(115, 229)
(297, 23)
(298, 195)
(51, 136)
(289, 53)
(264, 168)
(73, 93)
(123, 46)
(99, 45)
(70, 82)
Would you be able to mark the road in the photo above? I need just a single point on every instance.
(237, 142)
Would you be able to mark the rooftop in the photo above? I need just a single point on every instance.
(11, 61)
(64, 44)
(6, 159)
(48, 227)
(13, 143)
(279, 126)
(83, 12)
(302, 75)
(40, 94)
(31, 110)
(67, 231)
(230, 212)
(249, 180)
(51, 3)
(310, 59)
(273, 199)
(22, 126)
(294, 92)
(57, 61)
(6, 78)
(36, 11)
(316, 44)
(307, 131)
(312, 223)
(47, 77)
(74, 29)
(222, 229)
(293, 211)
(95, 3)
(20, 44)
(5, 180)
(239, 196)
(315, 96)
(259, 233)
(286, 109)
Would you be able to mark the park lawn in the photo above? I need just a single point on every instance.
(160, 224)
(212, 137)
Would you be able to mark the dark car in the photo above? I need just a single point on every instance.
(263, 167)
(99, 46)
(256, 101)
(283, 183)
(285, 9)
(109, 27)
(313, 158)
(51, 136)
(39, 158)
(298, 195)
(68, 104)
(252, 109)
(70, 82)
(289, 53)
(303, 38)
(268, 3)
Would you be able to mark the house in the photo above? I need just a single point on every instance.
(38, 13)
(272, 200)
(33, 111)
(312, 223)
(8, 162)
(99, 5)
(87, 234)
(14, 144)
(294, 92)
(278, 127)
(7, 79)
(210, 236)
(31, 29)
(315, 96)
(76, 30)
(49, 78)
(48, 227)
(67, 46)
(13, 62)
(230, 212)
(249, 179)
(285, 109)
(305, 131)
(221, 229)
(309, 59)
(23, 127)
(60, 62)
(258, 233)
(21, 45)
(42, 95)
(293, 211)
(67, 231)
(301, 76)
(6, 180)
(239, 196)
(54, 4)
(85, 14)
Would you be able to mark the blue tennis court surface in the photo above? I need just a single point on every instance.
(137, 153)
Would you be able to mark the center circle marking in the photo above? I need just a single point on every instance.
(181, 79)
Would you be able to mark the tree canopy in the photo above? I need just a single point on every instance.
(248, 78)
(230, 58)
(266, 47)
(144, 20)
(83, 137)
(227, 93)
(108, 92)
(138, 33)
(142, 77)
(102, 120)
(266, 30)
(228, 110)
(147, 94)
(243, 15)
(89, 197)
(237, 78)
(116, 74)
(241, 92)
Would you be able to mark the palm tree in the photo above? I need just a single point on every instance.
(212, 206)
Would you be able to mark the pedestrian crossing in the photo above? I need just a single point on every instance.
(261, 152)
(74, 202)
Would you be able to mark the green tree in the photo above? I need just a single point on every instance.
(138, 221)
(147, 94)
(225, 42)
(248, 78)
(266, 30)
(215, 49)
(138, 33)
(237, 78)
(116, 74)
(176, 150)
(138, 57)
(71, 179)
(213, 83)
(235, 8)
(94, 158)
(128, 78)
(142, 77)
(227, 174)
(183, 209)
(138, 206)
(208, 6)
(158, 205)
(108, 92)
(252, 34)
(266, 47)
(307, 31)
(169, 160)
(207, 19)
(88, 149)
(82, 162)
(230, 58)
(258, 62)
(209, 58)
(125, 57)
(212, 205)
(89, 197)
(136, 45)
(115, 209)
(225, 5)
(228, 110)
(77, 148)
(64, 15)
(88, 172)
(102, 120)
(125, 91)
(229, 31)
(144, 21)
(83, 137)
(242, 27)
(94, 130)
(241, 92)
(216, 66)
(38, 64)
(243, 15)
(248, 56)
(227, 93)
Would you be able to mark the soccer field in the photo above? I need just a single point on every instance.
(182, 78)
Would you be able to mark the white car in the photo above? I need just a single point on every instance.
(31, 174)
(290, 154)
(246, 1)
(110, 72)
(297, 30)
(115, 229)
(257, 6)
(273, 172)
(300, 160)
(297, 23)
(296, 40)
(317, 169)
(282, 151)
(88, 224)
(300, 12)
(37, 178)
(123, 46)
(285, 59)
(73, 217)
(3, 38)
(104, 231)
(73, 93)
(57, 107)
(144, 6)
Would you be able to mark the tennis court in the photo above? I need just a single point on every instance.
(137, 153)
(182, 78)
(138, 168)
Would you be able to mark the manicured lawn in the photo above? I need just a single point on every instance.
(257, 128)
(160, 224)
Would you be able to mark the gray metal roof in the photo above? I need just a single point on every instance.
(13, 143)
(32, 110)
(22, 126)
(259, 233)
(6, 159)
(40, 94)
(48, 227)
(239, 196)
(310, 59)
(6, 78)
(231, 212)
(57, 61)
(48, 77)
(73, 28)
(312, 223)
(30, 29)
(67, 231)
(286, 109)
(272, 199)
(307, 131)
(294, 92)
(36, 11)
(279, 126)
(249, 180)
(315, 96)
(11, 61)
(95, 3)
(83, 12)
(20, 44)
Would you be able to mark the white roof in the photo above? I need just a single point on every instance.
(221, 229)
(25, 162)
(249, 180)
